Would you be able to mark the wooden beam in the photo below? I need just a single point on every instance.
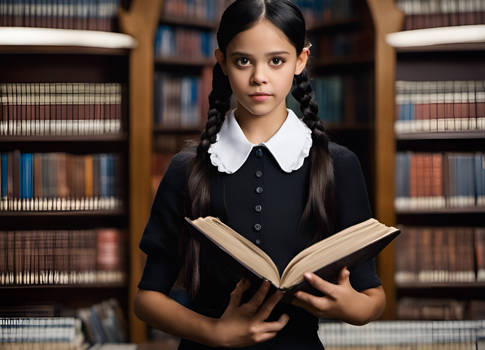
(387, 19)
(141, 22)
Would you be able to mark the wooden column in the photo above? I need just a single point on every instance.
(140, 22)
(387, 19)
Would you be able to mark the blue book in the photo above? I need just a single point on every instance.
(4, 174)
(27, 172)
(103, 175)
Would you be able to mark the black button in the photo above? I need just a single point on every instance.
(259, 153)
(258, 241)
(259, 189)
(259, 173)
(257, 227)
(258, 208)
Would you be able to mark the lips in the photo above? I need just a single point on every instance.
(260, 96)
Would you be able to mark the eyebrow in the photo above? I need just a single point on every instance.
(238, 53)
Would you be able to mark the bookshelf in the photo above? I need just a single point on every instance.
(64, 101)
(435, 159)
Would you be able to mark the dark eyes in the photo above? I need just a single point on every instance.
(244, 61)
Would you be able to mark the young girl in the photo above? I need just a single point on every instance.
(272, 177)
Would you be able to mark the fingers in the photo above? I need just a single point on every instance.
(275, 326)
(259, 296)
(269, 305)
(238, 292)
(321, 285)
(267, 330)
(343, 276)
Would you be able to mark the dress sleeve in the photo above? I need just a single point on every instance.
(161, 234)
(352, 207)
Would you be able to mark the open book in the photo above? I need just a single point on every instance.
(326, 258)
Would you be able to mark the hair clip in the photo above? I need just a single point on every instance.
(308, 45)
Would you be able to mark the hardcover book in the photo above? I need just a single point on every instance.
(326, 258)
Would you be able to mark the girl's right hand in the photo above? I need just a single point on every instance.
(244, 325)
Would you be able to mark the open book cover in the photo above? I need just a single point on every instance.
(326, 258)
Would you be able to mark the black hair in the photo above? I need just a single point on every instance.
(319, 210)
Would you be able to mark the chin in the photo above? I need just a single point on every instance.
(259, 111)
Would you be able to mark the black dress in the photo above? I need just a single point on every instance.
(265, 204)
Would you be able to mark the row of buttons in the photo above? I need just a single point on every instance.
(258, 207)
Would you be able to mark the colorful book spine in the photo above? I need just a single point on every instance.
(62, 257)
(439, 180)
(60, 182)
(441, 13)
(64, 14)
(49, 109)
(183, 43)
(436, 335)
(326, 11)
(209, 10)
(439, 106)
(177, 100)
(439, 255)
(341, 99)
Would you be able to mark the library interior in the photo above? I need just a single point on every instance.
(97, 96)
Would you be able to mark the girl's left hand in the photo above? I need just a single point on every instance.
(341, 301)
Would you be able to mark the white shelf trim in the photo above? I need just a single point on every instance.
(459, 37)
(26, 36)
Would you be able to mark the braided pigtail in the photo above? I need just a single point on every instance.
(320, 204)
(197, 201)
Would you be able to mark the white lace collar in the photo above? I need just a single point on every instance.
(290, 145)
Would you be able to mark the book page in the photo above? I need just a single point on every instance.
(333, 248)
(242, 249)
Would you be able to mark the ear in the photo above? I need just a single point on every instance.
(301, 60)
(221, 59)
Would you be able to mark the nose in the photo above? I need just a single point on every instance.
(259, 77)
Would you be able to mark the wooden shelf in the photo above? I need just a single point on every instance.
(338, 24)
(57, 286)
(343, 61)
(65, 41)
(74, 138)
(453, 38)
(185, 61)
(476, 134)
(73, 213)
(162, 130)
(426, 285)
(465, 210)
(188, 22)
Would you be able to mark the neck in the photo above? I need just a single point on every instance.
(258, 129)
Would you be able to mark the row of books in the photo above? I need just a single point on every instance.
(440, 309)
(439, 106)
(440, 255)
(342, 44)
(316, 11)
(439, 180)
(441, 13)
(60, 108)
(340, 99)
(101, 323)
(58, 332)
(207, 10)
(433, 335)
(59, 181)
(177, 100)
(181, 42)
(65, 14)
(104, 323)
(62, 257)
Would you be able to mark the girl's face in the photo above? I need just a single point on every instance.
(260, 64)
